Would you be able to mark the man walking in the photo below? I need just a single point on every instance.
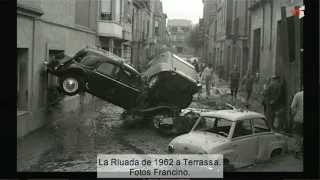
(207, 78)
(234, 82)
(297, 112)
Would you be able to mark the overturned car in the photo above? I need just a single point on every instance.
(166, 87)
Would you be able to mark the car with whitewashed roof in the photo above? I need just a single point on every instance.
(242, 137)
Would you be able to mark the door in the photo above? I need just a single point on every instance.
(129, 88)
(22, 79)
(102, 81)
(256, 51)
(262, 130)
(244, 143)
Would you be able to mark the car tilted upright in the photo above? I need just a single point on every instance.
(243, 137)
(101, 74)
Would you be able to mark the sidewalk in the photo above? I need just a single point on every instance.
(32, 147)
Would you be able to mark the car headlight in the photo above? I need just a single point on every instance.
(153, 81)
(170, 148)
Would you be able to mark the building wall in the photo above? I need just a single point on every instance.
(54, 30)
(179, 37)
(268, 33)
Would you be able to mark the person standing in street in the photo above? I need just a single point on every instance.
(297, 113)
(264, 95)
(234, 83)
(248, 82)
(272, 94)
(207, 78)
(196, 65)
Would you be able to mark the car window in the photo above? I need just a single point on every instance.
(243, 128)
(214, 125)
(260, 125)
(108, 69)
(124, 76)
(90, 60)
(130, 78)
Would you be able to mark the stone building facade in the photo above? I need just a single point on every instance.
(276, 45)
(180, 30)
(219, 33)
(160, 31)
(209, 22)
(114, 29)
(44, 29)
(141, 17)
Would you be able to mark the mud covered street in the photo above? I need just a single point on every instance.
(111, 138)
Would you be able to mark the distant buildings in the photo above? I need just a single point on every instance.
(133, 29)
(180, 30)
(261, 37)
(244, 34)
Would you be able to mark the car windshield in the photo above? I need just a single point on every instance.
(214, 125)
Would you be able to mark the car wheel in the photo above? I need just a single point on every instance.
(275, 153)
(71, 84)
(227, 167)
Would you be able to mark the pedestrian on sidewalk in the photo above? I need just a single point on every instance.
(272, 94)
(297, 113)
(234, 82)
(248, 82)
(207, 78)
(264, 95)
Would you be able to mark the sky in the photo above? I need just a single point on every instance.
(183, 9)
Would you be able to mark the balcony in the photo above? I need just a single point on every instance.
(127, 31)
(110, 29)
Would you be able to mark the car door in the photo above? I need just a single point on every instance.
(265, 135)
(244, 143)
(102, 81)
(129, 89)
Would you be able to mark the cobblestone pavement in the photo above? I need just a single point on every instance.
(110, 138)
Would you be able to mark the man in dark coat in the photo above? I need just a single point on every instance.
(272, 95)
(234, 82)
(248, 82)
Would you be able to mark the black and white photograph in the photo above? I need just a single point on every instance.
(160, 77)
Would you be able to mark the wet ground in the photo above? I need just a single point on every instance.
(111, 138)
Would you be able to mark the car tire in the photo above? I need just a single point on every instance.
(275, 153)
(227, 167)
(76, 84)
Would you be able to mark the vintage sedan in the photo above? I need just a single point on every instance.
(100, 73)
(243, 137)
(172, 81)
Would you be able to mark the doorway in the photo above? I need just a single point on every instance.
(256, 51)
(22, 79)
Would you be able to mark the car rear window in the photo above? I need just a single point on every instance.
(108, 69)
(243, 128)
(214, 125)
(260, 125)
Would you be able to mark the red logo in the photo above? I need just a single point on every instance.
(295, 11)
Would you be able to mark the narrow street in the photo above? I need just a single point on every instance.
(111, 138)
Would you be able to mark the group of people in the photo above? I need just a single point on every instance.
(273, 101)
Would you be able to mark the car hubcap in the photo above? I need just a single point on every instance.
(70, 85)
